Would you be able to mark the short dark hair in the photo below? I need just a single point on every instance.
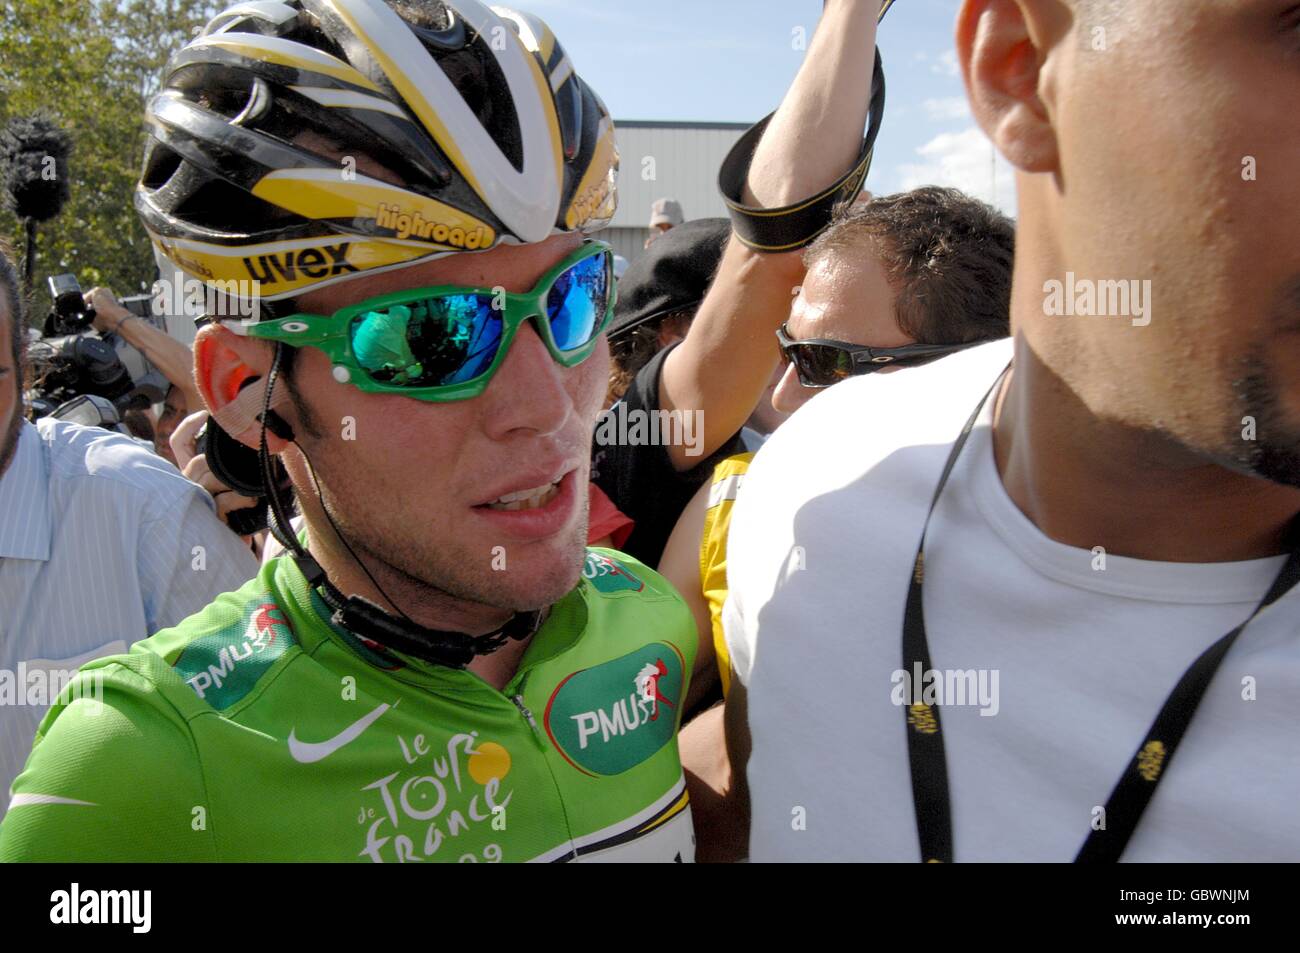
(288, 365)
(11, 291)
(947, 256)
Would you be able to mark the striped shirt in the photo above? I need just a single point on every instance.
(102, 543)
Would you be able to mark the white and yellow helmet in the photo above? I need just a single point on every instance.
(251, 169)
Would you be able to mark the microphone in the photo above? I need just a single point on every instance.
(35, 153)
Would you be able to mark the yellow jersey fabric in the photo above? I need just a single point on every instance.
(727, 477)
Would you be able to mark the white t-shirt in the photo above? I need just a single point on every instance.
(820, 553)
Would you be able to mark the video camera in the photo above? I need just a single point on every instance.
(240, 468)
(94, 379)
(82, 375)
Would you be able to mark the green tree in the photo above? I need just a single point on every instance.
(90, 65)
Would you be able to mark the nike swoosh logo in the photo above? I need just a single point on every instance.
(27, 800)
(310, 752)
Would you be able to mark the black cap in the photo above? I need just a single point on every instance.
(671, 275)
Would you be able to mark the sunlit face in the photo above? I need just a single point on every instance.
(843, 298)
(655, 231)
(174, 411)
(1179, 166)
(766, 418)
(408, 480)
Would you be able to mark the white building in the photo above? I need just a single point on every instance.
(675, 160)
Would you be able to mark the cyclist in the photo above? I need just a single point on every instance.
(435, 670)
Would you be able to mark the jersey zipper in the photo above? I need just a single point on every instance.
(528, 717)
(527, 714)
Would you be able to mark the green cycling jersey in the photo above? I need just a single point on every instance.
(258, 730)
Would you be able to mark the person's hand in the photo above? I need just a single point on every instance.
(184, 436)
(227, 500)
(109, 313)
(194, 467)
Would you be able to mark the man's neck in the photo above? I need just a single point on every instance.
(424, 605)
(1086, 482)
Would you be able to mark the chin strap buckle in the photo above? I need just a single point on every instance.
(520, 627)
(452, 649)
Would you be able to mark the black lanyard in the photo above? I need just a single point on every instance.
(1135, 787)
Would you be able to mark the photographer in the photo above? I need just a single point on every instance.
(100, 544)
(169, 355)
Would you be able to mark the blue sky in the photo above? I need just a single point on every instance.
(731, 60)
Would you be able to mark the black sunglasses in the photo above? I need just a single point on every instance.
(821, 363)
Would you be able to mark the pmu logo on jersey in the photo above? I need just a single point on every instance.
(323, 262)
(609, 576)
(223, 667)
(611, 717)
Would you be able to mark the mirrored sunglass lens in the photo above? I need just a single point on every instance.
(577, 301)
(823, 365)
(428, 342)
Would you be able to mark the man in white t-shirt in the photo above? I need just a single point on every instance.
(1121, 503)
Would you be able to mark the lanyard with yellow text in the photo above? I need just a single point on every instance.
(1132, 793)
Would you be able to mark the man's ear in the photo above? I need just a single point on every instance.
(229, 366)
(1004, 48)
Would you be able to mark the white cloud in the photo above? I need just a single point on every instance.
(947, 64)
(963, 160)
(945, 108)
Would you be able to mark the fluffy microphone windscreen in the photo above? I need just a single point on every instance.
(35, 157)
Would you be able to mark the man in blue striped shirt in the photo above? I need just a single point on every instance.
(102, 543)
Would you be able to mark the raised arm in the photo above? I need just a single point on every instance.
(814, 138)
(166, 353)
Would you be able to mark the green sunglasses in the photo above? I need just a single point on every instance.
(446, 342)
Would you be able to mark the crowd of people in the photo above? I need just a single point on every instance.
(725, 552)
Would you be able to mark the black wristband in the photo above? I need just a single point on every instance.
(794, 226)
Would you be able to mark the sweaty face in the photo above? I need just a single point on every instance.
(409, 481)
(1179, 160)
(843, 298)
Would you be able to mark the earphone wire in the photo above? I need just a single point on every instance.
(278, 520)
(311, 468)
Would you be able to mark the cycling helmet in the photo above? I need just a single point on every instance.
(301, 143)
